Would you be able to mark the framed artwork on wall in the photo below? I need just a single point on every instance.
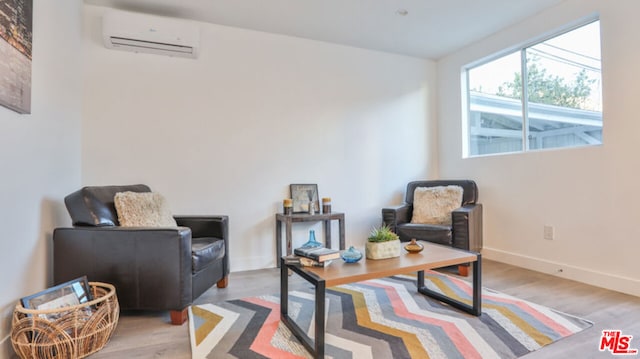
(16, 38)
(304, 194)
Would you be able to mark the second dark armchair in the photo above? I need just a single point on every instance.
(465, 231)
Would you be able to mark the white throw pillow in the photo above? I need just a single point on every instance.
(144, 209)
(433, 205)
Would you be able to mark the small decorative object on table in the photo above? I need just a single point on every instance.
(312, 243)
(326, 205)
(351, 255)
(315, 251)
(382, 243)
(287, 204)
(413, 246)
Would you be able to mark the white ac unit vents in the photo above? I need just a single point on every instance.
(151, 34)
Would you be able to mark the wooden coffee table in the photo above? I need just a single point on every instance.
(338, 272)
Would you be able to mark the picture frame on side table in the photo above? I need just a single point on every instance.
(302, 195)
(67, 294)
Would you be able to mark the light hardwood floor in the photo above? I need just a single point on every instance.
(149, 335)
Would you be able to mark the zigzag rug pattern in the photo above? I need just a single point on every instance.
(383, 318)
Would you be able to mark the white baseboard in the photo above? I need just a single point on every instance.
(599, 279)
(252, 263)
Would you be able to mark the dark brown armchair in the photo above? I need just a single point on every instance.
(162, 268)
(465, 232)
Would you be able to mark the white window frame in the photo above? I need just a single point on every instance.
(522, 48)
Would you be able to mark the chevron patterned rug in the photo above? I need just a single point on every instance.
(383, 318)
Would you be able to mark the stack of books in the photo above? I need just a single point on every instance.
(313, 257)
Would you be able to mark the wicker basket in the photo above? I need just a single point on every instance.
(79, 331)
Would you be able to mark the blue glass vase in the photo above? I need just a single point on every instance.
(312, 243)
(351, 255)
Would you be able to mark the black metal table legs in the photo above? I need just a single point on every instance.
(476, 308)
(315, 347)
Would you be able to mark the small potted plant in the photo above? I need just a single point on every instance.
(382, 243)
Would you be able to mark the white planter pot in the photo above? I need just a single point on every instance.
(382, 250)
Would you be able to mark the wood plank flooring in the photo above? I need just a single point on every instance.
(149, 334)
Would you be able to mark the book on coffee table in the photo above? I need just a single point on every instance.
(319, 254)
(308, 262)
(305, 262)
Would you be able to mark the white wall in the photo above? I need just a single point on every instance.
(40, 158)
(588, 194)
(228, 132)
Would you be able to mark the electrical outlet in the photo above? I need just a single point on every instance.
(548, 232)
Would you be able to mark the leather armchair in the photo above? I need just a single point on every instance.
(152, 268)
(465, 232)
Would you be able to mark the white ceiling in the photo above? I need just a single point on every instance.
(430, 29)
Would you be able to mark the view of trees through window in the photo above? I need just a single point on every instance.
(550, 89)
(558, 105)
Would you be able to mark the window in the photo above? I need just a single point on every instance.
(559, 103)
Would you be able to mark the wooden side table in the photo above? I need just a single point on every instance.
(288, 219)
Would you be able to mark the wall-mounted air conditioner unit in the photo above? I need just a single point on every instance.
(151, 34)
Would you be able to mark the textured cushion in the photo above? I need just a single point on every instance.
(143, 210)
(433, 205)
